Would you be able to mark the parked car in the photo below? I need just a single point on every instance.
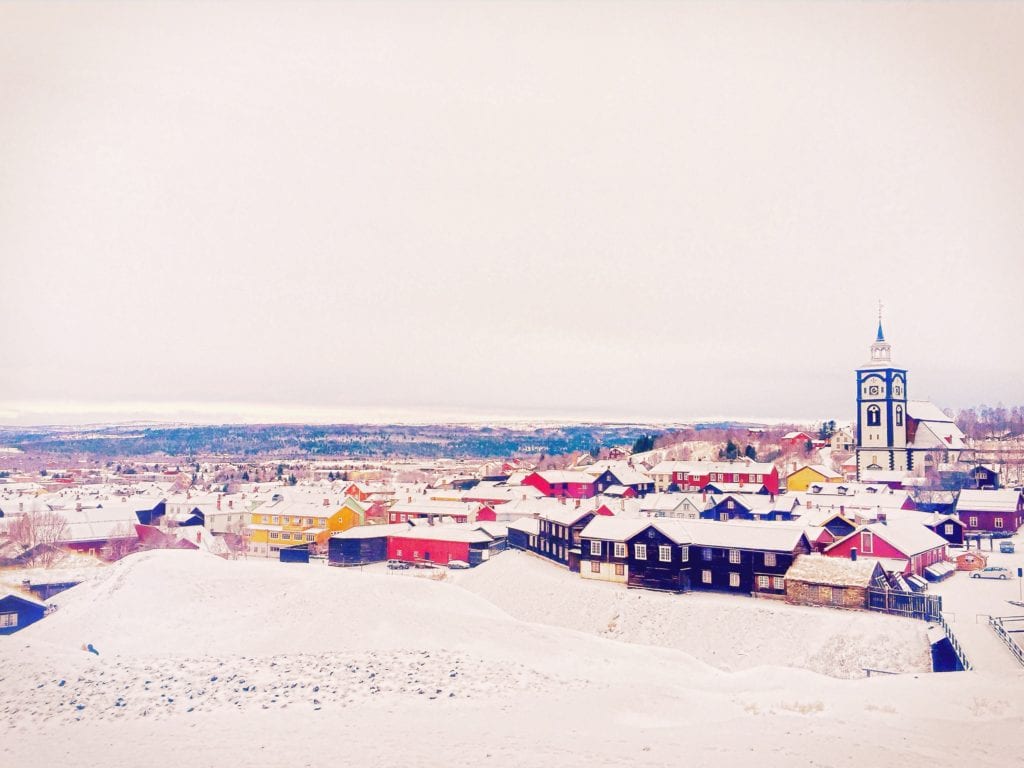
(397, 565)
(458, 564)
(992, 572)
(1006, 547)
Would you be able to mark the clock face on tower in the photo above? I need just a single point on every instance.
(873, 390)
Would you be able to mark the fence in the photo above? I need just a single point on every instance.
(996, 622)
(913, 605)
(957, 648)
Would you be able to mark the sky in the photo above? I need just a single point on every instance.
(384, 211)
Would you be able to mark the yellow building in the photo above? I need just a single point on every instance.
(282, 524)
(811, 473)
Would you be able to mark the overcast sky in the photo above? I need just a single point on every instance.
(311, 212)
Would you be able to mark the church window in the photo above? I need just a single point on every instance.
(874, 416)
(899, 415)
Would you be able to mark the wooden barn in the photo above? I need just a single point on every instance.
(832, 581)
(17, 612)
(363, 544)
(440, 545)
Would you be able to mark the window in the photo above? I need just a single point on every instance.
(398, 553)
(309, 521)
(705, 576)
(620, 549)
(763, 582)
(274, 534)
(684, 553)
(734, 579)
(276, 520)
(286, 535)
(899, 415)
(620, 569)
(665, 554)
(825, 594)
(706, 553)
(973, 522)
(734, 556)
(735, 478)
(730, 504)
(874, 416)
(595, 548)
(321, 521)
(948, 528)
(867, 542)
(769, 559)
(640, 551)
(8, 620)
(310, 537)
(998, 522)
(595, 566)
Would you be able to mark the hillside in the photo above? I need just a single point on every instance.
(203, 661)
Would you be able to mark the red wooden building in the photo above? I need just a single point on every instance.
(991, 510)
(911, 542)
(440, 545)
(565, 484)
(725, 476)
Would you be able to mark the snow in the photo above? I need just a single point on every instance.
(207, 662)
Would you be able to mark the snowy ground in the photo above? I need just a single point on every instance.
(208, 662)
(727, 631)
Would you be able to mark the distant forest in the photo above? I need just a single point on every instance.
(354, 440)
(997, 421)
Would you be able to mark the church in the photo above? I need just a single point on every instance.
(893, 432)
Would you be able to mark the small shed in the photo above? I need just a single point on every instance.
(831, 581)
(971, 560)
(18, 612)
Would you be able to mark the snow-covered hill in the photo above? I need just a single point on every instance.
(207, 662)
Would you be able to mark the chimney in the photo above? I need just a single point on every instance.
(577, 503)
(199, 536)
(853, 554)
(78, 507)
(327, 502)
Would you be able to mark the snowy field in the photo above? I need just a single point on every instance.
(205, 662)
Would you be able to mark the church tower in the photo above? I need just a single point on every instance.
(881, 410)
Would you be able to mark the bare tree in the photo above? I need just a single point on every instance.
(120, 542)
(39, 534)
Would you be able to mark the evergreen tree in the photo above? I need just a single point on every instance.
(750, 452)
(731, 450)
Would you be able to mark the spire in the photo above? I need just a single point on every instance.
(880, 336)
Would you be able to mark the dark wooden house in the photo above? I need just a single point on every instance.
(18, 612)
(744, 557)
(362, 544)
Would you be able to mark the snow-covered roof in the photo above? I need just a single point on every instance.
(926, 411)
(554, 476)
(908, 537)
(833, 571)
(1003, 500)
(445, 533)
(372, 531)
(613, 528)
(530, 525)
(821, 469)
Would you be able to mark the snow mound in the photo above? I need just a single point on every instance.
(729, 632)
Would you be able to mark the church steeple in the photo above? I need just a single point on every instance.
(881, 351)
